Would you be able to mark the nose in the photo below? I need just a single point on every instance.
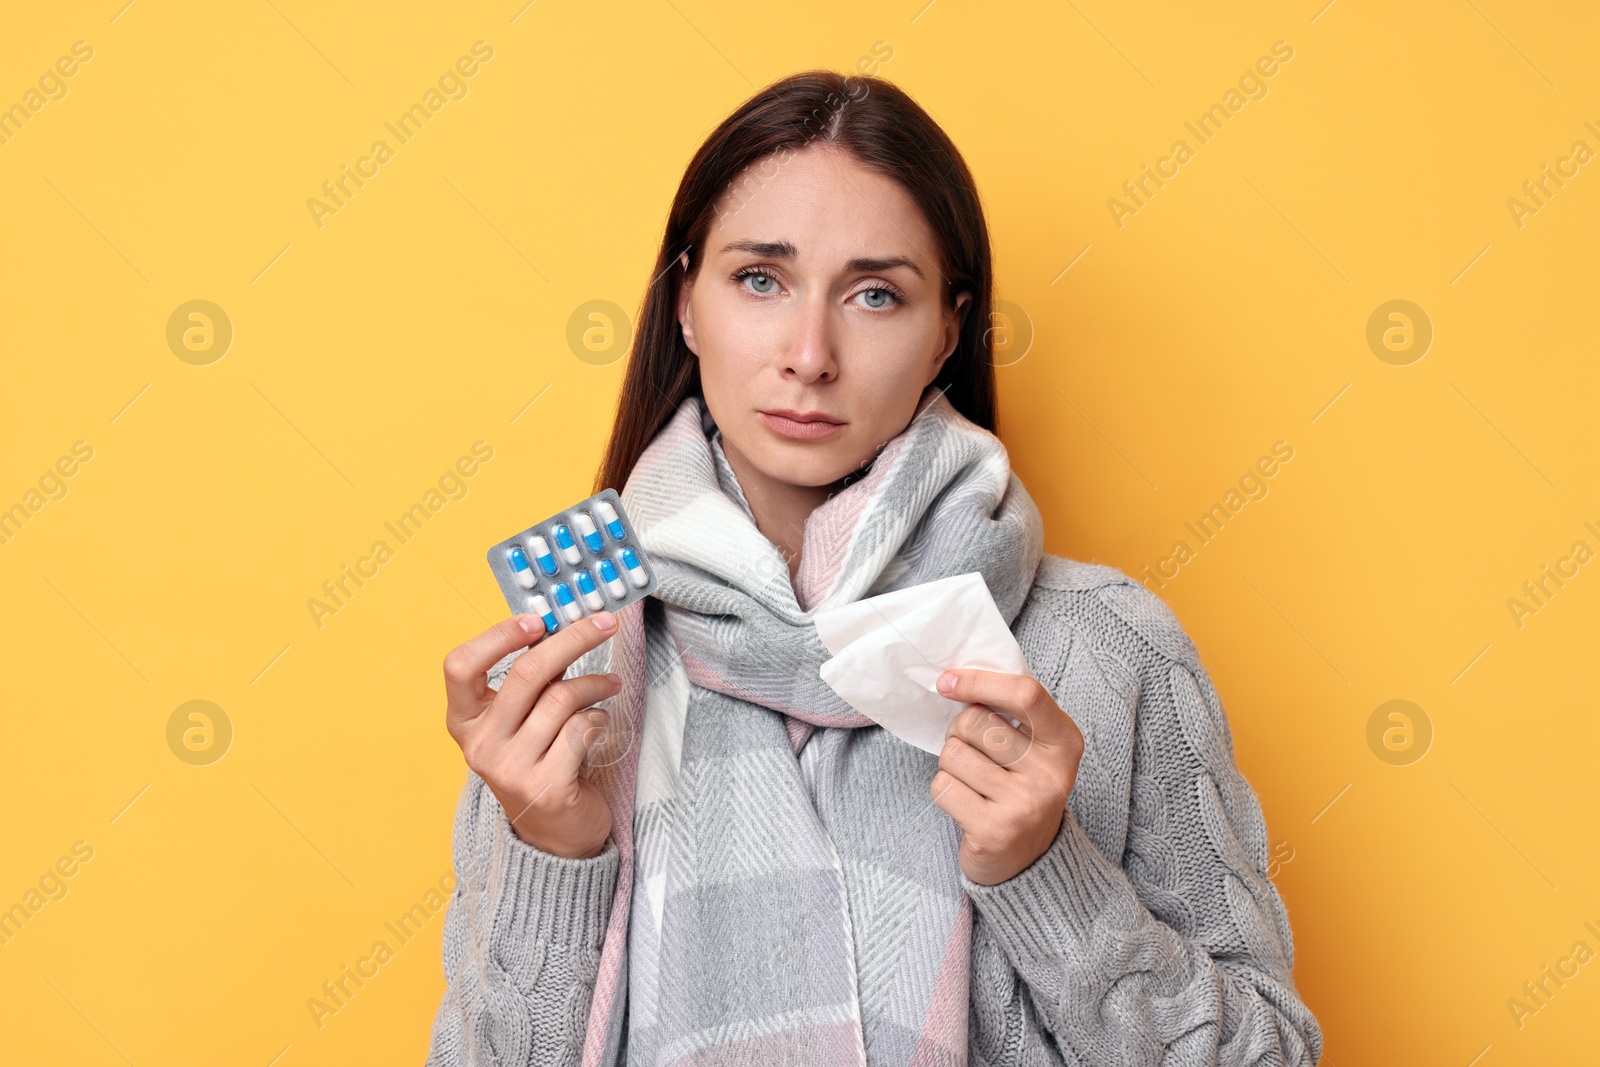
(812, 357)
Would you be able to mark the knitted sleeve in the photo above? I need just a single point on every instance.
(1182, 954)
(522, 942)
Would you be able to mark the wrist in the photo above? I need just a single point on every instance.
(561, 848)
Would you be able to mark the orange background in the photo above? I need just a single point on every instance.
(1153, 356)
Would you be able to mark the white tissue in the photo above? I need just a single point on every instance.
(889, 650)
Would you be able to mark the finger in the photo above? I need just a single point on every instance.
(958, 799)
(1018, 695)
(560, 700)
(537, 667)
(973, 769)
(991, 734)
(466, 668)
(578, 734)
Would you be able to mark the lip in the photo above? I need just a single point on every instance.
(801, 425)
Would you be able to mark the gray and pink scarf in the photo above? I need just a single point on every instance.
(787, 891)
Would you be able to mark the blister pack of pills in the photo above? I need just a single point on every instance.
(581, 560)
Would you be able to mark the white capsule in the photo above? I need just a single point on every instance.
(609, 575)
(586, 530)
(608, 516)
(542, 556)
(566, 545)
(564, 600)
(520, 569)
(541, 607)
(591, 596)
(634, 569)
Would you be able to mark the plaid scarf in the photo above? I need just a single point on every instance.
(799, 899)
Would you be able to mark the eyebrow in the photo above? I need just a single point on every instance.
(786, 250)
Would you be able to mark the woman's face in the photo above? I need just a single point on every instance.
(817, 317)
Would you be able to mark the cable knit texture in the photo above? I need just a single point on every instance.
(779, 887)
(1148, 932)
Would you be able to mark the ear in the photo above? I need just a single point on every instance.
(685, 309)
(954, 318)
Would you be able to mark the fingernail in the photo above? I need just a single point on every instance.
(532, 625)
(605, 621)
(614, 679)
(947, 682)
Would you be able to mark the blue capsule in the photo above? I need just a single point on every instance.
(608, 515)
(566, 545)
(586, 530)
(541, 607)
(591, 596)
(542, 556)
(636, 573)
(519, 567)
(566, 602)
(608, 574)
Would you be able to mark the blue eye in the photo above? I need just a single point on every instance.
(886, 297)
(753, 273)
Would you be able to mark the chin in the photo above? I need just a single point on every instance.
(811, 468)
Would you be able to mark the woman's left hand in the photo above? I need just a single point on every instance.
(1005, 786)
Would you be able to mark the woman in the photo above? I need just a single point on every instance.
(733, 865)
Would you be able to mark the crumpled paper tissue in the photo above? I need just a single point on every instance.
(889, 650)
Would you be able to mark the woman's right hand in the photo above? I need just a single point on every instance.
(527, 741)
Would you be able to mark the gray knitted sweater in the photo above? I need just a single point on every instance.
(1148, 933)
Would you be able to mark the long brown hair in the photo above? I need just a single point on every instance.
(883, 129)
